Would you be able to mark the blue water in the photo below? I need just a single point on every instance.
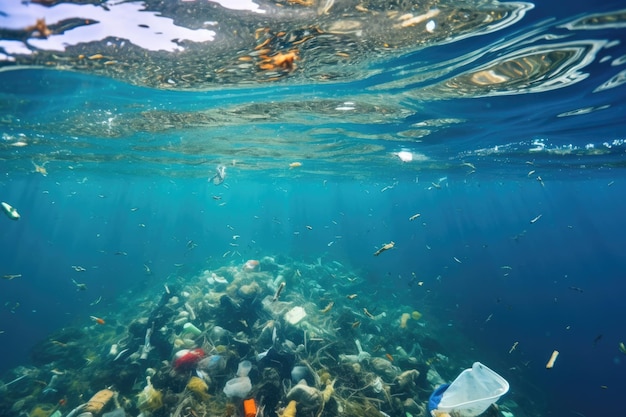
(127, 198)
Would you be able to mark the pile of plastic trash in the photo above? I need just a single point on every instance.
(243, 340)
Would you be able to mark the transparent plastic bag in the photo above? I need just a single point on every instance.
(473, 391)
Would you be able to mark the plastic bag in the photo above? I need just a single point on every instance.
(472, 392)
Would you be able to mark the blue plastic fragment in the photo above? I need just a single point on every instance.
(435, 397)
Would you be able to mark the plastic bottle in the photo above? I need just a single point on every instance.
(190, 328)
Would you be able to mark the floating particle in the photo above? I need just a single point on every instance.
(552, 359)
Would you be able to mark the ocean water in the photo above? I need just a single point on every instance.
(503, 131)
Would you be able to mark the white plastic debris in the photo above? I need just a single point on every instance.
(405, 156)
(294, 315)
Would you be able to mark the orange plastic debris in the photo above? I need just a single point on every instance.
(249, 407)
(285, 60)
(98, 401)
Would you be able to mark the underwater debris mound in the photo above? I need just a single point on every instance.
(244, 346)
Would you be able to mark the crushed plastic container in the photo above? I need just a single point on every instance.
(471, 393)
